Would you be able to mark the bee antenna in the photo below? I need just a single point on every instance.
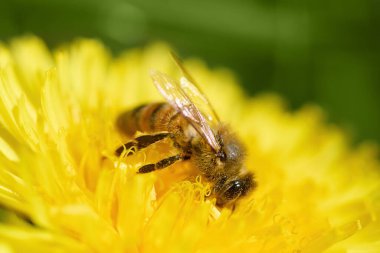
(221, 154)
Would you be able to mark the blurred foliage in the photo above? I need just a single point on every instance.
(319, 51)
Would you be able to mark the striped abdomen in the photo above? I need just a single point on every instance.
(150, 118)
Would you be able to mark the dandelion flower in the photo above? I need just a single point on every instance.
(63, 190)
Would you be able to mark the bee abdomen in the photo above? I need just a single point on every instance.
(146, 118)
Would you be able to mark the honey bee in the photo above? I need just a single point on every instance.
(190, 122)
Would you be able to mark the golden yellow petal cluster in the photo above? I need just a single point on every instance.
(63, 190)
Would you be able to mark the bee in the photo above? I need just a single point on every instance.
(190, 122)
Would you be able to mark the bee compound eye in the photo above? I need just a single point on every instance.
(234, 190)
(231, 191)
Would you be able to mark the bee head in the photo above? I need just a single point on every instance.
(224, 167)
(231, 153)
(229, 191)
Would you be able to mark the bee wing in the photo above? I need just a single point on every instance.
(192, 90)
(180, 99)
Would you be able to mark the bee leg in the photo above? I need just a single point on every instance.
(161, 164)
(141, 142)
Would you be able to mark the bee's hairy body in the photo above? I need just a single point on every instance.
(153, 118)
(224, 169)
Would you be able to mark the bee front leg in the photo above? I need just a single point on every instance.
(141, 142)
(162, 164)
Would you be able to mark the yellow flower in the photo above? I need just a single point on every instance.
(62, 189)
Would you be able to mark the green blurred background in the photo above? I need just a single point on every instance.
(319, 51)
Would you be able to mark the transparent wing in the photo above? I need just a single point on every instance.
(192, 90)
(179, 98)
